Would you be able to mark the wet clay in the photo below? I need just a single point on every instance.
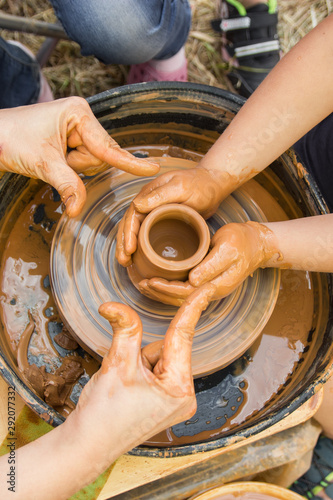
(47, 356)
(32, 326)
(173, 239)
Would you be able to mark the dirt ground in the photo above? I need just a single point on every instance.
(69, 73)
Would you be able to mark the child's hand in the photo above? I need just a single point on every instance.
(133, 397)
(198, 188)
(237, 250)
(34, 141)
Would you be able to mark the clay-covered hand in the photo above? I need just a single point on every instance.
(130, 398)
(34, 141)
(199, 188)
(237, 250)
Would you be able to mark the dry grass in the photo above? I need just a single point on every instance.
(71, 74)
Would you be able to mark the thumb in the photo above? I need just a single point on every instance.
(179, 336)
(69, 186)
(127, 333)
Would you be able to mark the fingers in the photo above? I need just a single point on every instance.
(165, 189)
(179, 336)
(168, 292)
(81, 160)
(122, 257)
(127, 334)
(227, 282)
(224, 253)
(68, 184)
(151, 353)
(127, 233)
(219, 259)
(231, 279)
(99, 143)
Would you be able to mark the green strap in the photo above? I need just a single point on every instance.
(241, 9)
(323, 484)
(272, 6)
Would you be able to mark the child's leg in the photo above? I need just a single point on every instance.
(126, 31)
(19, 76)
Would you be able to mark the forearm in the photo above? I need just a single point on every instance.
(71, 456)
(305, 243)
(293, 98)
(54, 466)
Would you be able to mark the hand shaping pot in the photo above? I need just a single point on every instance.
(191, 117)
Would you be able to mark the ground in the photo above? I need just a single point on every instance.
(71, 74)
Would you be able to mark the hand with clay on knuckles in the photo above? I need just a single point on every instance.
(238, 249)
(199, 188)
(56, 141)
(135, 395)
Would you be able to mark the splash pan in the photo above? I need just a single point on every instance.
(281, 369)
(85, 273)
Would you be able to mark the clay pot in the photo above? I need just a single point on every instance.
(172, 240)
(248, 491)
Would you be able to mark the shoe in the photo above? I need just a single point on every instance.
(144, 72)
(318, 480)
(250, 43)
(45, 93)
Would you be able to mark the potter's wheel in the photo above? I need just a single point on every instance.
(85, 273)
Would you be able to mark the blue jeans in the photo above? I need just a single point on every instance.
(126, 31)
(114, 31)
(19, 77)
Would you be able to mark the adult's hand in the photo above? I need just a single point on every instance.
(237, 250)
(134, 395)
(34, 141)
(199, 188)
(130, 399)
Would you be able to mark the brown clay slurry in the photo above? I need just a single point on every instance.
(28, 312)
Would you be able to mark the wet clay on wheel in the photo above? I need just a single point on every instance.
(249, 385)
(47, 356)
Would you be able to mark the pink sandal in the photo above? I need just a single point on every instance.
(144, 72)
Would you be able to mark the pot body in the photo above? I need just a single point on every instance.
(172, 240)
